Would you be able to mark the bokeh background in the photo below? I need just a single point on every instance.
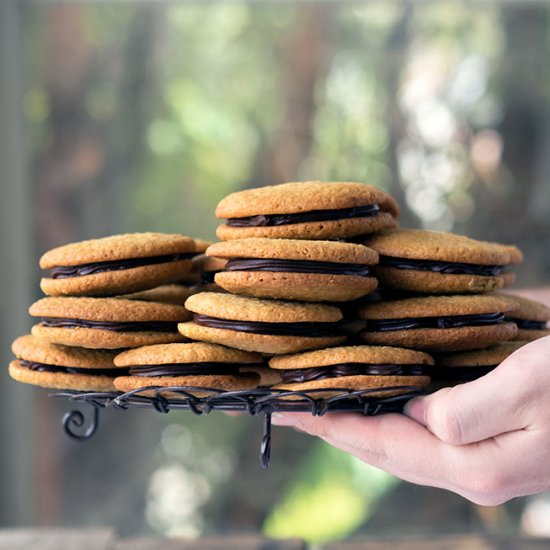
(135, 116)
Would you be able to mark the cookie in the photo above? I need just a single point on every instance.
(439, 323)
(354, 368)
(61, 367)
(265, 326)
(459, 367)
(106, 323)
(306, 210)
(118, 264)
(441, 263)
(531, 318)
(166, 294)
(291, 269)
(193, 364)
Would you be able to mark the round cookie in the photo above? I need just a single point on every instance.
(306, 210)
(265, 326)
(61, 367)
(291, 269)
(193, 364)
(441, 263)
(439, 323)
(106, 323)
(355, 368)
(166, 294)
(118, 264)
(531, 318)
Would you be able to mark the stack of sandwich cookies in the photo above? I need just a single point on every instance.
(188, 365)
(289, 269)
(532, 318)
(306, 210)
(265, 326)
(61, 367)
(441, 263)
(116, 265)
(391, 371)
(106, 323)
(440, 323)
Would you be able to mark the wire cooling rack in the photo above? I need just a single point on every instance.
(255, 402)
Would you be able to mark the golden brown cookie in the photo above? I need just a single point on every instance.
(166, 294)
(532, 318)
(439, 323)
(441, 263)
(118, 264)
(306, 210)
(106, 323)
(265, 326)
(291, 269)
(62, 367)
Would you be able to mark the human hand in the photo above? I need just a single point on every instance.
(487, 440)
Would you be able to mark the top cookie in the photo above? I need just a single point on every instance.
(306, 210)
(116, 265)
(436, 262)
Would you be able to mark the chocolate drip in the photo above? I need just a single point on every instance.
(188, 369)
(297, 266)
(44, 367)
(305, 217)
(525, 324)
(350, 369)
(308, 329)
(447, 268)
(66, 272)
(117, 326)
(453, 321)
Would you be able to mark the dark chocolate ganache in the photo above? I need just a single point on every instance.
(350, 369)
(307, 329)
(446, 268)
(188, 369)
(116, 326)
(297, 266)
(305, 217)
(525, 324)
(44, 367)
(66, 272)
(453, 321)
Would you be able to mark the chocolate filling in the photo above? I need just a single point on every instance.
(453, 321)
(66, 272)
(43, 367)
(308, 329)
(117, 326)
(447, 268)
(525, 324)
(305, 217)
(188, 369)
(297, 266)
(350, 369)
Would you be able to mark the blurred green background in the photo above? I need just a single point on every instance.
(137, 116)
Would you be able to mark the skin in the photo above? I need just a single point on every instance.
(487, 440)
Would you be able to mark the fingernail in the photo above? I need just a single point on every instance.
(281, 419)
(416, 410)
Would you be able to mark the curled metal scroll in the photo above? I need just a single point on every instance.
(74, 421)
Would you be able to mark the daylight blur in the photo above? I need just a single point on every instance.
(139, 116)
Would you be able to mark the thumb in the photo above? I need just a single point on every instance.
(499, 402)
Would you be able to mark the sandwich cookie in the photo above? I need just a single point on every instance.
(531, 318)
(63, 367)
(108, 323)
(116, 265)
(354, 368)
(194, 364)
(265, 326)
(439, 323)
(456, 368)
(166, 294)
(306, 210)
(441, 263)
(310, 271)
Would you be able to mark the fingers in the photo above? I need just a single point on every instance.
(507, 399)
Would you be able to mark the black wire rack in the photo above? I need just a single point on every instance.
(255, 402)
